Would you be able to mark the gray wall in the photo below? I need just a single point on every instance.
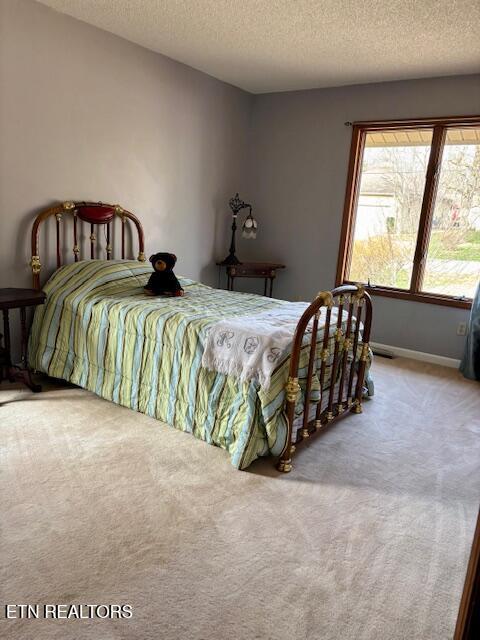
(300, 149)
(87, 115)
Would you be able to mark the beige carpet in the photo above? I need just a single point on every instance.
(367, 538)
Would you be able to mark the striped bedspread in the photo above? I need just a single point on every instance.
(99, 331)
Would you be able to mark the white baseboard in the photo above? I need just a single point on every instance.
(417, 355)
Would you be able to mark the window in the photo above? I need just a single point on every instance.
(411, 225)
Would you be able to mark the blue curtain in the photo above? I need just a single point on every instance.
(470, 365)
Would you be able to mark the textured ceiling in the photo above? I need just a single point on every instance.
(279, 45)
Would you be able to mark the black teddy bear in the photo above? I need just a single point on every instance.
(163, 281)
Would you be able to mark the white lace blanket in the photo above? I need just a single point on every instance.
(250, 347)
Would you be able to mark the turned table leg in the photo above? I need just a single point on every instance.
(271, 286)
(23, 343)
(23, 374)
(8, 355)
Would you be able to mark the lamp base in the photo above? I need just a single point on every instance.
(230, 260)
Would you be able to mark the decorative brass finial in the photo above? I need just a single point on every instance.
(285, 466)
(68, 205)
(35, 264)
(365, 349)
(291, 390)
(325, 297)
(360, 293)
(357, 407)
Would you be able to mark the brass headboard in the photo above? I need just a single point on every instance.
(94, 213)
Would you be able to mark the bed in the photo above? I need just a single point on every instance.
(99, 331)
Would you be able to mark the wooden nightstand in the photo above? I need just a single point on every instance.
(17, 299)
(265, 270)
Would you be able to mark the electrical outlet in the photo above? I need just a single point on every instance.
(462, 329)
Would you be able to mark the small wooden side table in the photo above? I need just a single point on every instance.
(265, 270)
(17, 299)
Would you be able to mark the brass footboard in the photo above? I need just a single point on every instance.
(343, 349)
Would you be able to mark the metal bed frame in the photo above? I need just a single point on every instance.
(343, 347)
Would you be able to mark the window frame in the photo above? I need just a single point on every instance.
(439, 127)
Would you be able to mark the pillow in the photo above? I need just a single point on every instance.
(90, 274)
